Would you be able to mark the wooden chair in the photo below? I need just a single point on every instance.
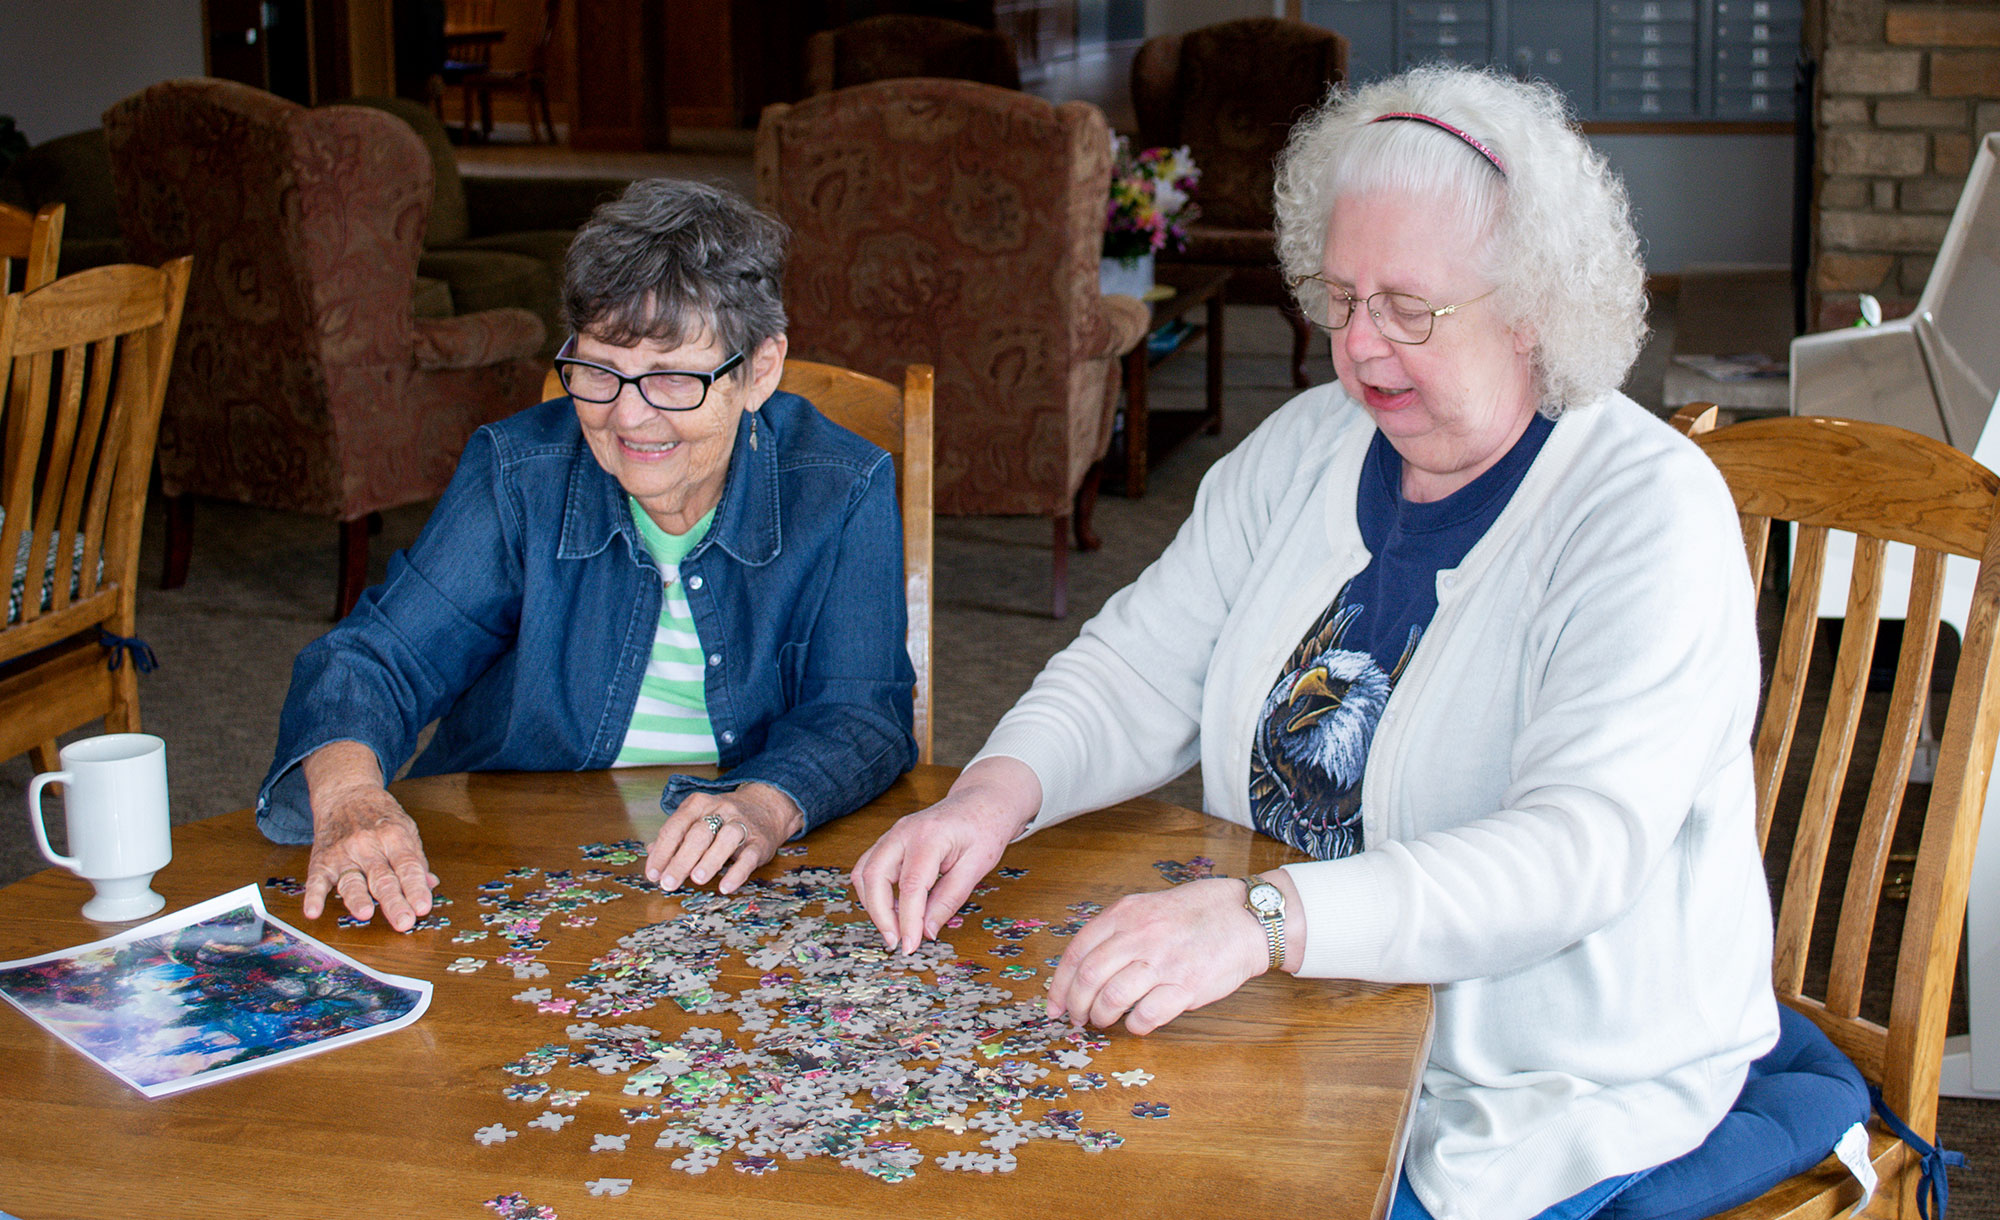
(1231, 92)
(899, 421)
(86, 360)
(1883, 484)
(481, 80)
(32, 239)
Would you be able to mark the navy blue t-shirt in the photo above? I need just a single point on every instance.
(1319, 720)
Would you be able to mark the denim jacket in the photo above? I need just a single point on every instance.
(523, 616)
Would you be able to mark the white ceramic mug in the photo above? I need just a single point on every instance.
(115, 803)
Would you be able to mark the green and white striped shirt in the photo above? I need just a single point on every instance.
(670, 721)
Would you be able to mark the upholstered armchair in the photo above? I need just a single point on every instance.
(959, 225)
(302, 380)
(1231, 93)
(902, 45)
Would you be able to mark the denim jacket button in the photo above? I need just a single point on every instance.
(714, 659)
(694, 582)
(727, 737)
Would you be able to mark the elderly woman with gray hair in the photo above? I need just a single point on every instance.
(1469, 628)
(675, 564)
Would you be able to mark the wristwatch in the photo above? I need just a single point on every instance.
(1267, 903)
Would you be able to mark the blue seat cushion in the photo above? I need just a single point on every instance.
(1797, 1102)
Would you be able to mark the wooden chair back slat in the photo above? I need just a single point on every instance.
(1881, 484)
(67, 469)
(58, 434)
(1831, 758)
(1756, 540)
(1788, 681)
(104, 418)
(23, 431)
(1908, 704)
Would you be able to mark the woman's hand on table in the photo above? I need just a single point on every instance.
(711, 830)
(1151, 957)
(365, 847)
(924, 867)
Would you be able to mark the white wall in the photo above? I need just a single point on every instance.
(1707, 198)
(63, 63)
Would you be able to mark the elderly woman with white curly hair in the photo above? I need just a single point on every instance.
(1468, 627)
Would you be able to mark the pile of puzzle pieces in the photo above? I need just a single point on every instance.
(842, 1049)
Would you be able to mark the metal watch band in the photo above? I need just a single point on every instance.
(1273, 923)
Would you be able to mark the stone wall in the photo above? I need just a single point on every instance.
(1906, 89)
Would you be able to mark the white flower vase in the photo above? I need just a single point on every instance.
(1131, 277)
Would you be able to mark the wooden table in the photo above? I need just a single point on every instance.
(1150, 437)
(1286, 1094)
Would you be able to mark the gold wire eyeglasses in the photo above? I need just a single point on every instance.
(1401, 317)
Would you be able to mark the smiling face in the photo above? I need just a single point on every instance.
(1452, 406)
(674, 463)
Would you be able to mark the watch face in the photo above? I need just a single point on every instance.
(1266, 899)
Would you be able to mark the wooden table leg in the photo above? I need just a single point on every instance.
(1135, 422)
(1215, 363)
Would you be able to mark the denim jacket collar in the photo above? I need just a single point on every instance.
(746, 522)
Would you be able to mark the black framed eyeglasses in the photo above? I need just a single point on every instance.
(1400, 316)
(662, 389)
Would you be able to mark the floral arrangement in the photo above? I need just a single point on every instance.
(1151, 201)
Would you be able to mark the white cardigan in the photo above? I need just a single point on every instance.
(1558, 805)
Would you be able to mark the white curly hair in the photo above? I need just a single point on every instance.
(1559, 246)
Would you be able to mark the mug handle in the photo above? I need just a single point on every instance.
(35, 815)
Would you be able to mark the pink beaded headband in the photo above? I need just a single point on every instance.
(1492, 158)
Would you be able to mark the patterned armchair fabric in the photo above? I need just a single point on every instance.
(1231, 93)
(959, 225)
(901, 45)
(302, 380)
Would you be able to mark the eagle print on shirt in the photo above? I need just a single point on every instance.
(1313, 737)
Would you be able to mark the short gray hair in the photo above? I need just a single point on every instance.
(671, 260)
(1559, 243)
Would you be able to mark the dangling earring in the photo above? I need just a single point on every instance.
(753, 429)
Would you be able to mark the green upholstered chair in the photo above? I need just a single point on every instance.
(75, 171)
(497, 242)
